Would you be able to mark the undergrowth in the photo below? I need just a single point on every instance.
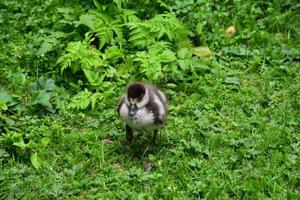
(230, 70)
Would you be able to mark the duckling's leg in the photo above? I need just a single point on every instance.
(129, 134)
(154, 136)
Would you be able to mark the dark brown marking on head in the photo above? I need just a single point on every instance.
(136, 91)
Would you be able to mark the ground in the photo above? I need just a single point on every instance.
(230, 71)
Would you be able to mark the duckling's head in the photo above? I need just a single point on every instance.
(137, 96)
(136, 91)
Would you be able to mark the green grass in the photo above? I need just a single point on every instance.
(233, 124)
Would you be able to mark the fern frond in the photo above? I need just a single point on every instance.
(94, 77)
(140, 34)
(80, 55)
(107, 29)
(128, 16)
(114, 52)
(153, 62)
(84, 99)
(88, 20)
(148, 32)
(119, 3)
(81, 100)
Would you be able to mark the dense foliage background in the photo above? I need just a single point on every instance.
(229, 68)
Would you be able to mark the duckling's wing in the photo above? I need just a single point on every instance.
(120, 103)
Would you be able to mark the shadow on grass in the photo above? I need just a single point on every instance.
(141, 148)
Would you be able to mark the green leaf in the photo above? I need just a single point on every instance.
(1, 19)
(167, 56)
(81, 100)
(45, 47)
(35, 161)
(45, 141)
(171, 85)
(233, 80)
(95, 98)
(43, 98)
(46, 84)
(185, 53)
(88, 20)
(20, 144)
(94, 78)
(184, 64)
(80, 55)
(107, 28)
(5, 97)
(118, 3)
(42, 84)
(97, 4)
(146, 33)
(114, 52)
(3, 106)
(110, 72)
(3, 154)
(202, 51)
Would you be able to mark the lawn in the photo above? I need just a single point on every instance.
(230, 70)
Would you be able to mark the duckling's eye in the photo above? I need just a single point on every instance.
(140, 98)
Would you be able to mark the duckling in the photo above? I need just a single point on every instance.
(143, 107)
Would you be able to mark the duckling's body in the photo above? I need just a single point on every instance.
(143, 107)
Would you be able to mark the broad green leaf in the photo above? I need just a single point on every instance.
(35, 161)
(202, 51)
(5, 97)
(46, 84)
(42, 84)
(42, 98)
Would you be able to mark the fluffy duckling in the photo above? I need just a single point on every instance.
(143, 107)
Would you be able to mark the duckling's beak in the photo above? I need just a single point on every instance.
(132, 111)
